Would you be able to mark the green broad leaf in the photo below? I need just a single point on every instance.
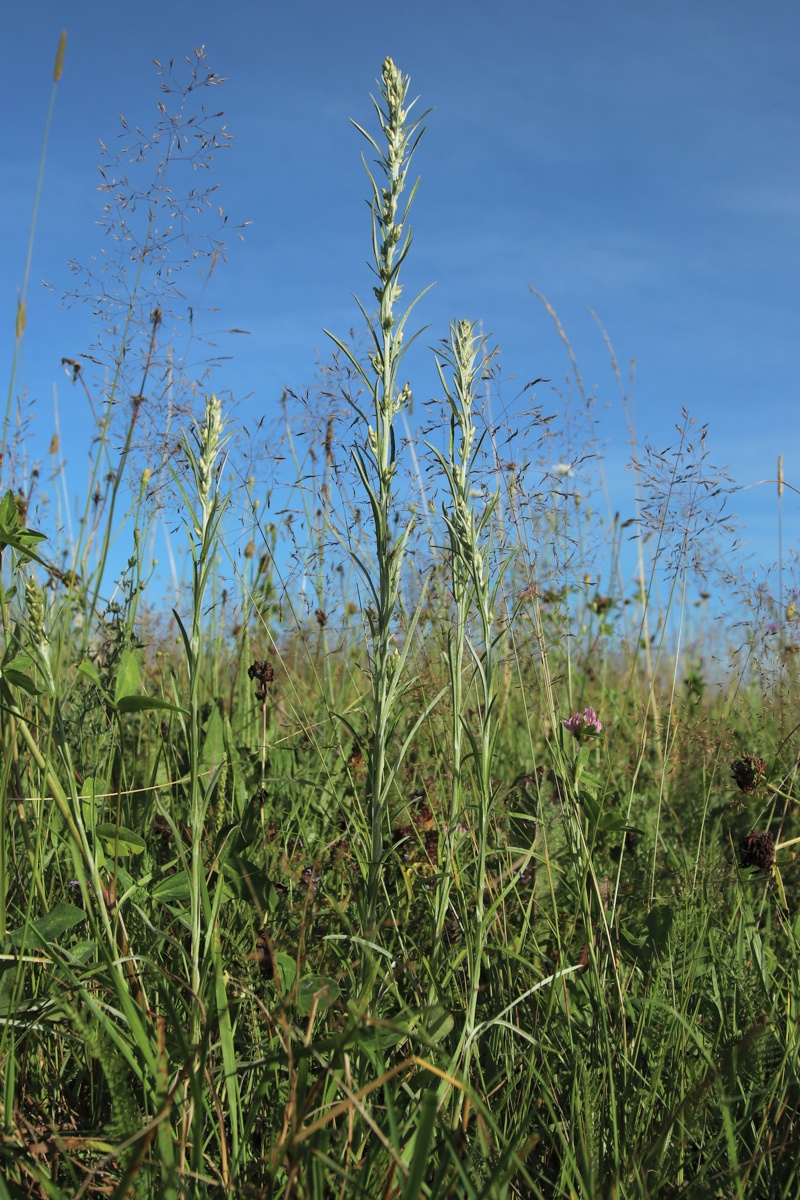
(612, 821)
(326, 991)
(13, 533)
(428, 1024)
(82, 951)
(592, 809)
(659, 922)
(119, 840)
(88, 799)
(125, 880)
(135, 704)
(590, 783)
(88, 669)
(437, 1023)
(49, 928)
(8, 977)
(17, 671)
(631, 945)
(603, 817)
(9, 513)
(128, 676)
(248, 882)
(287, 970)
(213, 750)
(388, 1038)
(173, 887)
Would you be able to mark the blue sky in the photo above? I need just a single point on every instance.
(637, 159)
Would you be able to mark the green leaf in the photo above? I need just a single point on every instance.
(134, 704)
(17, 672)
(589, 783)
(612, 821)
(213, 750)
(430, 1024)
(49, 928)
(119, 840)
(173, 887)
(128, 675)
(126, 692)
(318, 987)
(603, 817)
(249, 882)
(9, 513)
(631, 944)
(591, 808)
(287, 970)
(82, 951)
(13, 533)
(659, 923)
(421, 1141)
(437, 1023)
(88, 669)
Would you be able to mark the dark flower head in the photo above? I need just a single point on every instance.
(748, 772)
(263, 673)
(757, 850)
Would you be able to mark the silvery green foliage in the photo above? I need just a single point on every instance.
(375, 454)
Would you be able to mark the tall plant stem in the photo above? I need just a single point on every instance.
(475, 596)
(205, 511)
(376, 458)
(21, 320)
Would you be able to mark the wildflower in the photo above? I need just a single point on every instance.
(585, 724)
(757, 850)
(263, 673)
(456, 830)
(748, 772)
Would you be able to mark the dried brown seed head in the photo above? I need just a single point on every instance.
(757, 850)
(748, 772)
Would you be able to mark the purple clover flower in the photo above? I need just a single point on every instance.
(585, 724)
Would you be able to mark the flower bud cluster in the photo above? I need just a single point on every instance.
(584, 725)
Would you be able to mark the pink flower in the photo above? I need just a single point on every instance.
(585, 724)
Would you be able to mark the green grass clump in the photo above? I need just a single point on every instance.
(461, 878)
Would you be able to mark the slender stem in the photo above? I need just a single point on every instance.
(21, 310)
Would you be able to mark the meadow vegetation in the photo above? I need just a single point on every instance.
(436, 840)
